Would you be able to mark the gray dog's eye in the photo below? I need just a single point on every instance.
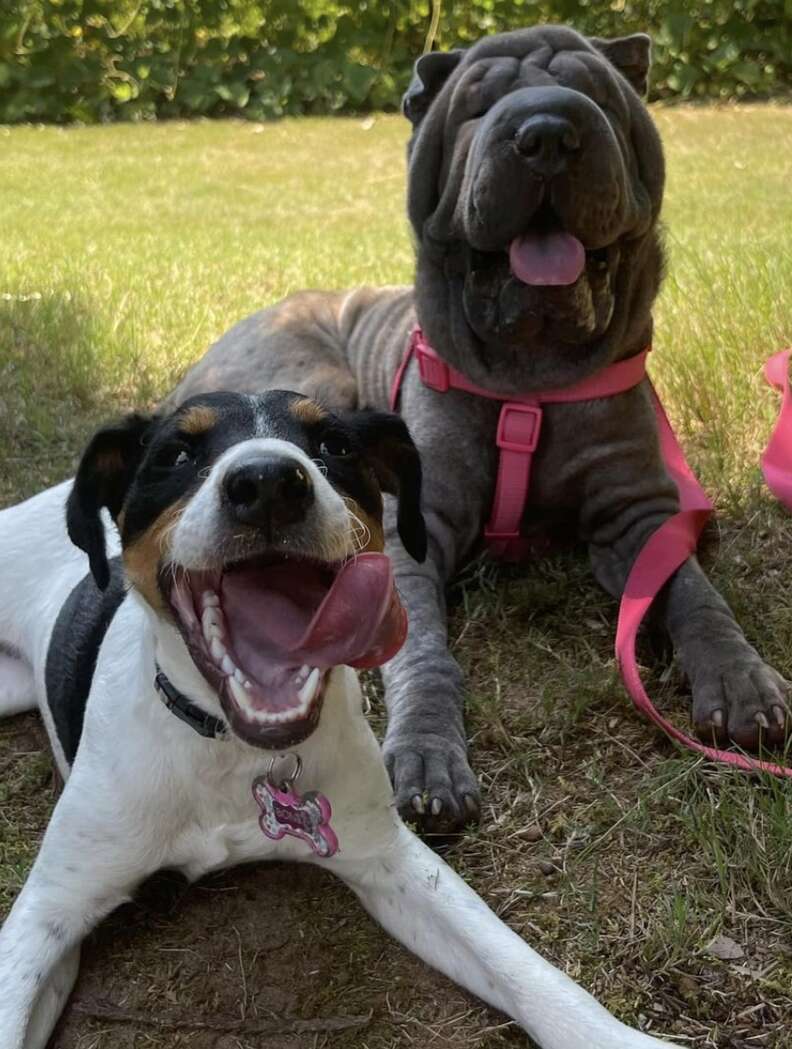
(182, 458)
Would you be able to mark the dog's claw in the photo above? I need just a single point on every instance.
(471, 807)
(740, 699)
(432, 780)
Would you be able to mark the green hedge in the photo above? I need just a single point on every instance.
(91, 60)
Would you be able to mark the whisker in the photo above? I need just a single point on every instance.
(358, 531)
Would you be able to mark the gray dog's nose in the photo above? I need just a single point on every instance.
(271, 490)
(546, 141)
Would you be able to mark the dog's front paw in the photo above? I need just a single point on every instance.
(433, 783)
(740, 698)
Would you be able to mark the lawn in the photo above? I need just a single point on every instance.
(125, 251)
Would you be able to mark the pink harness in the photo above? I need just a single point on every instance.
(666, 549)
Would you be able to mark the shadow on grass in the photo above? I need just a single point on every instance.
(61, 372)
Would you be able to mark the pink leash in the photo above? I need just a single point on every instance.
(666, 549)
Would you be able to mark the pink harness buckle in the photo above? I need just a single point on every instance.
(518, 427)
(434, 371)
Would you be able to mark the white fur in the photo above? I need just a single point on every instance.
(146, 792)
(327, 529)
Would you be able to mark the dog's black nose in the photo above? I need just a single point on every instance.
(546, 141)
(272, 490)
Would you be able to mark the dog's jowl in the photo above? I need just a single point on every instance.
(535, 186)
(198, 691)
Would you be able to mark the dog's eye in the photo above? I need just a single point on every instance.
(336, 445)
(173, 455)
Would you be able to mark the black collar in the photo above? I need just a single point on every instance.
(192, 715)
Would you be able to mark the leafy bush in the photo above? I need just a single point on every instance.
(90, 60)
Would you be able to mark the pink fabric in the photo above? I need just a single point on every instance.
(518, 431)
(663, 553)
(777, 457)
(666, 549)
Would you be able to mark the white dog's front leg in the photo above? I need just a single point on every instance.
(424, 904)
(90, 861)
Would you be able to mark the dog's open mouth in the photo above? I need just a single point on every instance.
(544, 276)
(266, 631)
(545, 255)
(552, 259)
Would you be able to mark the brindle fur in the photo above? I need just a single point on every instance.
(598, 463)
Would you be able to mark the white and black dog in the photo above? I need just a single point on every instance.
(186, 683)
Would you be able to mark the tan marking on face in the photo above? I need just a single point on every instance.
(367, 533)
(145, 555)
(198, 419)
(307, 411)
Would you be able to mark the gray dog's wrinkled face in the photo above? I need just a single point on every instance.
(536, 178)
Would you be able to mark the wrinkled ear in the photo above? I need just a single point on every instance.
(103, 479)
(632, 56)
(429, 74)
(388, 447)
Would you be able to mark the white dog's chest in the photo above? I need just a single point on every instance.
(200, 850)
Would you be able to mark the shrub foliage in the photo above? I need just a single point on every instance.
(91, 60)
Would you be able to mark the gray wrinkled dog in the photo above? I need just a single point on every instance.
(524, 138)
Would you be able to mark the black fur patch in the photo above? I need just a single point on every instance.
(177, 461)
(74, 647)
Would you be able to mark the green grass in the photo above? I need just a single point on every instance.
(125, 251)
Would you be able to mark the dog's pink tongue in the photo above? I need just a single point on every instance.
(361, 622)
(293, 614)
(546, 259)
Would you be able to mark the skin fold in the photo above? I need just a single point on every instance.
(539, 131)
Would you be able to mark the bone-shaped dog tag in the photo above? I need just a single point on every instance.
(285, 811)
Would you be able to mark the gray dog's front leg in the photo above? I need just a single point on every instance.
(736, 695)
(425, 747)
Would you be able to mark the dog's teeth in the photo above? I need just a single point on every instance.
(239, 693)
(209, 599)
(309, 689)
(217, 648)
(212, 623)
(228, 665)
(239, 676)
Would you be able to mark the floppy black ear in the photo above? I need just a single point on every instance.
(429, 74)
(632, 56)
(389, 449)
(103, 479)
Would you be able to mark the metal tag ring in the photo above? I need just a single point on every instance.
(285, 782)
